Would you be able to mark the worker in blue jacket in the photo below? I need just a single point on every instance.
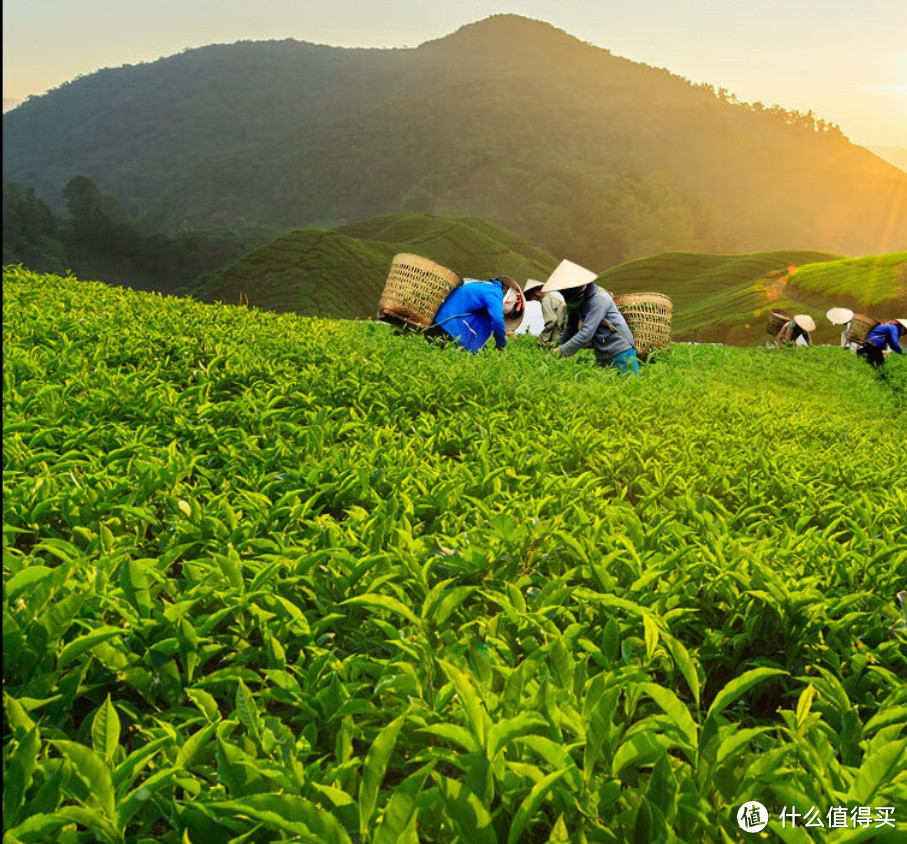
(476, 310)
(884, 334)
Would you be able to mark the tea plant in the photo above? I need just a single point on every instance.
(272, 578)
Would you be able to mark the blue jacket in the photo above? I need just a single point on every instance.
(472, 313)
(596, 310)
(886, 333)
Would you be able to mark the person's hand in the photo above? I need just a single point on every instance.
(556, 351)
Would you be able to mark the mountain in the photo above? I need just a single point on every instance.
(340, 273)
(592, 156)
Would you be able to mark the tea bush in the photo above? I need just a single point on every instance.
(276, 578)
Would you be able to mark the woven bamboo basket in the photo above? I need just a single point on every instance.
(649, 318)
(415, 289)
(776, 320)
(860, 326)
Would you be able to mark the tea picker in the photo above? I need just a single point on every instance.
(843, 317)
(554, 312)
(593, 319)
(795, 332)
(884, 337)
(476, 310)
(424, 295)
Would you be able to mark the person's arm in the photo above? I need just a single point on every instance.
(495, 308)
(592, 319)
(893, 337)
(786, 333)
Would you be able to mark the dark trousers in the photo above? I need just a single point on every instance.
(872, 353)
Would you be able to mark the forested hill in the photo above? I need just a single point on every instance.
(585, 153)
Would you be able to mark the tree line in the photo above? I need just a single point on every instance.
(97, 240)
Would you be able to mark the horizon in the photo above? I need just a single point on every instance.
(847, 67)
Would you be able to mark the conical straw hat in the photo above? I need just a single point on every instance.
(839, 316)
(568, 275)
(531, 284)
(512, 321)
(805, 321)
(903, 322)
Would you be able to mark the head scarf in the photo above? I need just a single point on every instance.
(511, 300)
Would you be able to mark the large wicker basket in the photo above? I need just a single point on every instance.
(415, 289)
(649, 318)
(860, 326)
(776, 320)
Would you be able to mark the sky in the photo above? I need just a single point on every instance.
(845, 60)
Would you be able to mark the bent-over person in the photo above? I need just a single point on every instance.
(476, 310)
(884, 337)
(554, 312)
(592, 319)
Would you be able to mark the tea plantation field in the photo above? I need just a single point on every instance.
(273, 578)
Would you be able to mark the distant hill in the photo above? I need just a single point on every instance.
(893, 155)
(341, 273)
(727, 298)
(508, 119)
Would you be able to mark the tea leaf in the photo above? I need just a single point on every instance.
(531, 803)
(463, 808)
(739, 686)
(105, 730)
(373, 771)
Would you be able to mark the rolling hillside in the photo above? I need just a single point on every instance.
(508, 119)
(717, 298)
(726, 298)
(341, 273)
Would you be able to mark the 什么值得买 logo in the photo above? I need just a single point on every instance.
(752, 816)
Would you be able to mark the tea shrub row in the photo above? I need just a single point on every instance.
(273, 578)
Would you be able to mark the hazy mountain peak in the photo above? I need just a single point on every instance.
(508, 33)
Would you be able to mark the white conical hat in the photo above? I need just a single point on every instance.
(568, 275)
(903, 322)
(531, 284)
(805, 321)
(839, 316)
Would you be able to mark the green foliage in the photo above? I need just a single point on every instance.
(279, 578)
(30, 231)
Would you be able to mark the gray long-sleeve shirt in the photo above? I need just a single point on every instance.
(596, 311)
